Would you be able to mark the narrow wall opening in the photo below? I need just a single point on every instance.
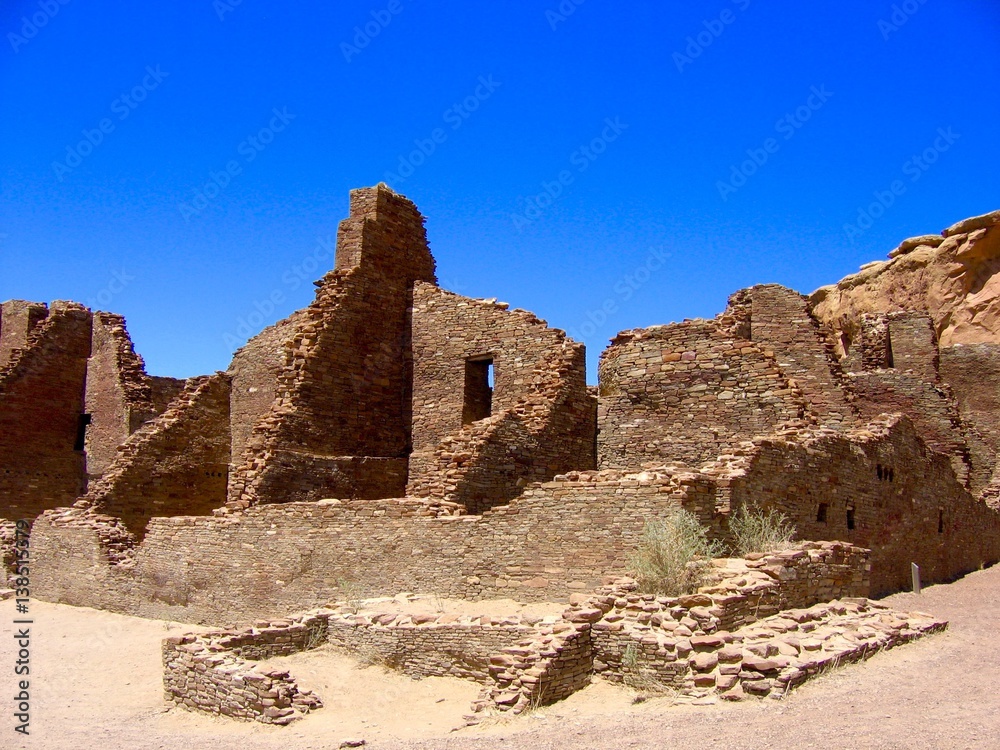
(82, 422)
(478, 399)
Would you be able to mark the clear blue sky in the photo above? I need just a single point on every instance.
(640, 117)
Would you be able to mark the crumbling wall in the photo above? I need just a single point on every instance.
(778, 320)
(537, 420)
(343, 390)
(878, 487)
(973, 373)
(687, 392)
(120, 396)
(41, 403)
(175, 464)
(18, 319)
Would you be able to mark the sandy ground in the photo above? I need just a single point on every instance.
(95, 683)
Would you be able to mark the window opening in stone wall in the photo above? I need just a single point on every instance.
(888, 351)
(479, 379)
(82, 422)
(850, 519)
(940, 521)
(821, 513)
(878, 471)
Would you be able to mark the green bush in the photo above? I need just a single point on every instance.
(673, 555)
(756, 530)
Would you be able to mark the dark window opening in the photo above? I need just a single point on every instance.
(888, 351)
(850, 519)
(940, 521)
(478, 403)
(890, 475)
(82, 422)
(821, 513)
(878, 471)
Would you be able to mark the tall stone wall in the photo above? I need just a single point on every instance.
(878, 487)
(538, 421)
(343, 390)
(120, 395)
(973, 372)
(687, 392)
(175, 464)
(18, 319)
(41, 403)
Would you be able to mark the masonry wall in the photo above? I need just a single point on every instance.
(778, 320)
(973, 372)
(902, 499)
(687, 392)
(18, 319)
(542, 421)
(558, 537)
(175, 464)
(120, 396)
(344, 389)
(41, 400)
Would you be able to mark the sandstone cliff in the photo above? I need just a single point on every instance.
(954, 277)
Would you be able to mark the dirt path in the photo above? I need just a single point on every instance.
(96, 684)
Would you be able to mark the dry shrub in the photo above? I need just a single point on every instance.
(673, 555)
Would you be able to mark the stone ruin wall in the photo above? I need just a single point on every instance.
(18, 318)
(558, 537)
(758, 629)
(41, 398)
(687, 392)
(175, 464)
(344, 361)
(878, 487)
(538, 421)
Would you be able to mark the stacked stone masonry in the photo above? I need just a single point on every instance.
(760, 628)
(362, 439)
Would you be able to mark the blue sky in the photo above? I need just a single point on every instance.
(605, 166)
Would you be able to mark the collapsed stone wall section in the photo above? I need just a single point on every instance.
(174, 464)
(540, 419)
(18, 318)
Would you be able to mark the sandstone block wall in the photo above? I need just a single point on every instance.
(175, 464)
(18, 318)
(343, 389)
(878, 487)
(41, 403)
(541, 417)
(687, 392)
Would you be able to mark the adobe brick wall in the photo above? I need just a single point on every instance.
(18, 319)
(175, 464)
(687, 392)
(543, 416)
(345, 361)
(41, 398)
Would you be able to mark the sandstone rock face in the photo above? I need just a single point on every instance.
(955, 278)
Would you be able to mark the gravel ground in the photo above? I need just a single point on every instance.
(95, 683)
